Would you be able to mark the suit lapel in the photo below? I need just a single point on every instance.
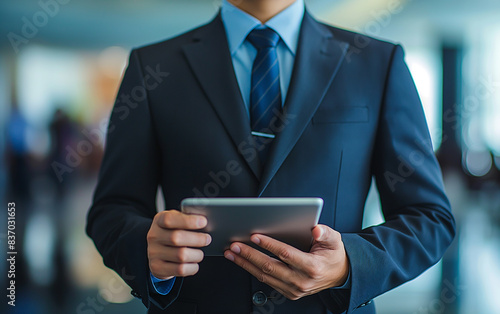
(210, 59)
(318, 58)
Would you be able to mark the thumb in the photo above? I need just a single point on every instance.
(327, 237)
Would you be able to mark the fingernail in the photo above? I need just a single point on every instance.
(236, 249)
(202, 221)
(255, 239)
(320, 233)
(229, 256)
(209, 239)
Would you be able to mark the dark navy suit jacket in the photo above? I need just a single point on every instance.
(352, 113)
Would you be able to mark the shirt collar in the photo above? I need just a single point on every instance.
(239, 24)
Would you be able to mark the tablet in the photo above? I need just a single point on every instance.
(289, 220)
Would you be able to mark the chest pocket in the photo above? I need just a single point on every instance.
(341, 114)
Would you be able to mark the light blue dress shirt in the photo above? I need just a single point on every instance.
(238, 24)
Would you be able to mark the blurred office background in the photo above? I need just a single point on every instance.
(61, 62)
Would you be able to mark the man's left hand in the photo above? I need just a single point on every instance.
(295, 273)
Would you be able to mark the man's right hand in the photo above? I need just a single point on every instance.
(173, 244)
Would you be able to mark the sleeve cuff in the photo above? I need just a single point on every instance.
(162, 286)
(347, 283)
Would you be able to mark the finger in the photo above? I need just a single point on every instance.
(180, 238)
(174, 219)
(326, 237)
(286, 253)
(266, 264)
(178, 255)
(276, 283)
(165, 270)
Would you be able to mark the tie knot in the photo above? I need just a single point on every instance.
(263, 38)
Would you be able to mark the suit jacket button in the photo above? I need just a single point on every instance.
(259, 298)
(365, 304)
(135, 294)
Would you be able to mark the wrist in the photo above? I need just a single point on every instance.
(344, 273)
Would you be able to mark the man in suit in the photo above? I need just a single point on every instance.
(265, 101)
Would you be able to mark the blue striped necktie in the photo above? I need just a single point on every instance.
(265, 95)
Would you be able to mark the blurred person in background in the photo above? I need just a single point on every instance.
(18, 168)
(17, 155)
(41, 269)
(265, 101)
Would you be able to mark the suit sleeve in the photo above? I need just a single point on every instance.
(418, 224)
(124, 200)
